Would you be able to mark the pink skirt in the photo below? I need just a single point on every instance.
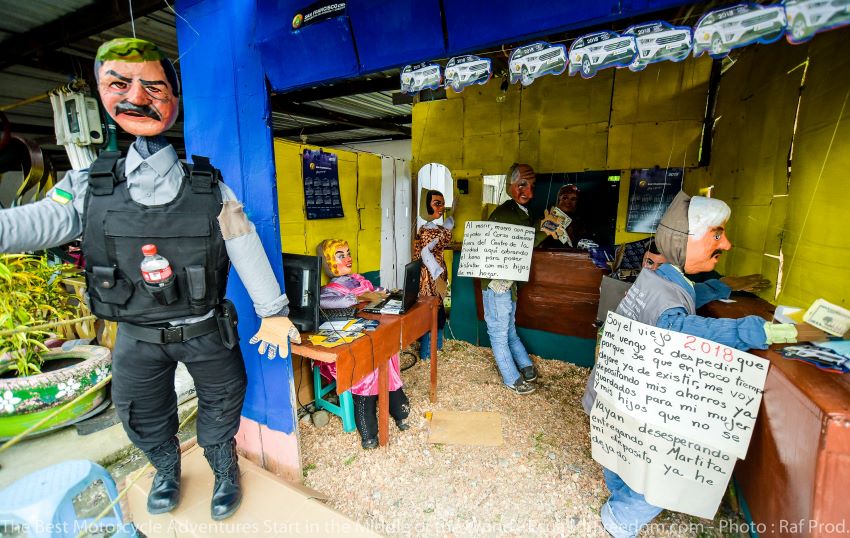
(368, 386)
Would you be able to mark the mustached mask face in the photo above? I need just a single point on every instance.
(704, 253)
(138, 96)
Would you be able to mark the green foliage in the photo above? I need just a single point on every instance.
(31, 294)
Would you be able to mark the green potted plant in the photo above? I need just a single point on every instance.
(35, 309)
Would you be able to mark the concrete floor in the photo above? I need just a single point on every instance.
(108, 447)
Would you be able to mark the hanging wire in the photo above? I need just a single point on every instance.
(182, 18)
(132, 18)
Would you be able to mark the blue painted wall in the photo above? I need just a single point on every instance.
(226, 108)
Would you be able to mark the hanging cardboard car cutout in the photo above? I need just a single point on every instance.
(463, 71)
(723, 30)
(809, 17)
(658, 41)
(415, 78)
(599, 50)
(530, 62)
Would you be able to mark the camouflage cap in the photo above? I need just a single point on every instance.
(129, 49)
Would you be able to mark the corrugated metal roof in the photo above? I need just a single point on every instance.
(20, 16)
(20, 82)
(367, 105)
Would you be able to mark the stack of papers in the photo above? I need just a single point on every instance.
(333, 338)
(393, 306)
(335, 333)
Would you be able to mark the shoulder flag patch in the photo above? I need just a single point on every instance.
(62, 197)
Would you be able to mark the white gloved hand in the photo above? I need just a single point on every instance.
(449, 223)
(274, 336)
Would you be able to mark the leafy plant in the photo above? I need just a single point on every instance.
(31, 295)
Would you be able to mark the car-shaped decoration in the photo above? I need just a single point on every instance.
(592, 52)
(722, 30)
(463, 71)
(658, 41)
(418, 77)
(530, 62)
(809, 17)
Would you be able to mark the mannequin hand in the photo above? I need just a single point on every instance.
(442, 287)
(746, 283)
(449, 223)
(372, 296)
(274, 336)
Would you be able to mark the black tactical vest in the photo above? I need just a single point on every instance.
(185, 231)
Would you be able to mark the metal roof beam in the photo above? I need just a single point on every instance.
(334, 127)
(345, 141)
(283, 106)
(342, 89)
(83, 22)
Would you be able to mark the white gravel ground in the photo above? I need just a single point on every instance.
(541, 482)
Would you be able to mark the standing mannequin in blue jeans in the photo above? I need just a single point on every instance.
(500, 296)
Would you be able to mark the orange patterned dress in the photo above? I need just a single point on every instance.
(426, 235)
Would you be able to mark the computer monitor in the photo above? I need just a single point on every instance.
(410, 291)
(302, 276)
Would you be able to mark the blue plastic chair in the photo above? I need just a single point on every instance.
(42, 503)
(345, 409)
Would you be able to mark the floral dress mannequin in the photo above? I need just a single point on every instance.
(347, 289)
(431, 240)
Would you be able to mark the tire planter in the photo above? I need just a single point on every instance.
(26, 400)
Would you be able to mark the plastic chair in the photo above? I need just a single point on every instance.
(42, 503)
(345, 409)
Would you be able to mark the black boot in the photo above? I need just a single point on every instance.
(400, 408)
(165, 490)
(227, 491)
(366, 420)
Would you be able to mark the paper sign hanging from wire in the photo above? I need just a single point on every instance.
(415, 78)
(530, 62)
(659, 41)
(722, 30)
(593, 52)
(463, 71)
(809, 17)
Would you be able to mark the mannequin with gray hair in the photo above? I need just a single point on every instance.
(692, 237)
(500, 296)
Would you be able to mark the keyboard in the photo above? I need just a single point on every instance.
(337, 314)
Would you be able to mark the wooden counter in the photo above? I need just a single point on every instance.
(561, 296)
(797, 470)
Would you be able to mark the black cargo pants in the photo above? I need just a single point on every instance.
(143, 388)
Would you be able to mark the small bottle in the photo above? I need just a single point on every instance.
(156, 270)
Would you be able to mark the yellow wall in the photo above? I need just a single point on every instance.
(360, 189)
(799, 217)
(616, 120)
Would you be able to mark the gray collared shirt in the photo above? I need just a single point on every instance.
(58, 219)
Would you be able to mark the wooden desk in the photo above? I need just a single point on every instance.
(562, 294)
(798, 464)
(361, 357)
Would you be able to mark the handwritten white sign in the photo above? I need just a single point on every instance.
(495, 250)
(673, 412)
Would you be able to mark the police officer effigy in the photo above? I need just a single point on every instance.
(192, 227)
